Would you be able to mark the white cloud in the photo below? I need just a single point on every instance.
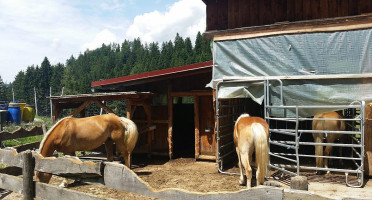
(103, 37)
(57, 29)
(185, 17)
(32, 30)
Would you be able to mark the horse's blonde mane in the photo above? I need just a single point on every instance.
(241, 116)
(48, 133)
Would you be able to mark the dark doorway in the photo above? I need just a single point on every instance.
(183, 130)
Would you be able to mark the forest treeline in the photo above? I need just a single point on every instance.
(108, 61)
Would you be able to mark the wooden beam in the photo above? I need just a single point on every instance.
(10, 157)
(129, 110)
(12, 183)
(192, 93)
(156, 121)
(80, 108)
(24, 147)
(295, 31)
(56, 110)
(68, 166)
(207, 157)
(104, 107)
(47, 191)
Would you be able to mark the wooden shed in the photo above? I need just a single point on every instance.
(182, 110)
(262, 40)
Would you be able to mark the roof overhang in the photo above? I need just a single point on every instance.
(157, 75)
(319, 25)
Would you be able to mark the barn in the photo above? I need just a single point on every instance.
(181, 114)
(284, 61)
(287, 61)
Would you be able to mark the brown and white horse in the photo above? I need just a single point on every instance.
(326, 125)
(251, 134)
(83, 134)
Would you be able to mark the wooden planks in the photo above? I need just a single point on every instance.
(21, 133)
(231, 14)
(46, 191)
(323, 25)
(9, 156)
(12, 183)
(68, 166)
(114, 175)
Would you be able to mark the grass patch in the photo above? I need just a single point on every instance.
(20, 141)
(39, 121)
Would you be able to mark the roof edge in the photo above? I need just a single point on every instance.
(152, 74)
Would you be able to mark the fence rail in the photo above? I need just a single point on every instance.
(109, 174)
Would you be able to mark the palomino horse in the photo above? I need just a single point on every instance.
(326, 125)
(83, 134)
(251, 134)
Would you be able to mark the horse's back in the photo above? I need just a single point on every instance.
(246, 127)
(247, 121)
(328, 124)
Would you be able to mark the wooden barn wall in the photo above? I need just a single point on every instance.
(229, 14)
(159, 141)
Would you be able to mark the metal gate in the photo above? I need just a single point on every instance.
(285, 143)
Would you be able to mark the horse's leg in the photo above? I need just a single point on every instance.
(261, 170)
(342, 141)
(66, 181)
(318, 138)
(109, 146)
(248, 170)
(327, 152)
(124, 152)
(242, 179)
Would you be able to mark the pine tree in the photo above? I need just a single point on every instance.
(3, 96)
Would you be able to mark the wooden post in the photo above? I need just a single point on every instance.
(368, 140)
(196, 117)
(147, 107)
(170, 120)
(28, 173)
(50, 102)
(299, 183)
(37, 113)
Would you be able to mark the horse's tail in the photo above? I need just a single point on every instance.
(262, 151)
(131, 133)
(41, 146)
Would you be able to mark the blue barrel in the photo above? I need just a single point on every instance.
(14, 113)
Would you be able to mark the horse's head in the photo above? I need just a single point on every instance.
(43, 177)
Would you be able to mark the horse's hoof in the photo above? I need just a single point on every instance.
(241, 182)
(63, 185)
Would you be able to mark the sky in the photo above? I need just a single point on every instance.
(57, 29)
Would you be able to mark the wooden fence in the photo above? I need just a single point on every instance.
(109, 174)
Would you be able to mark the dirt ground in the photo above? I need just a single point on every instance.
(202, 176)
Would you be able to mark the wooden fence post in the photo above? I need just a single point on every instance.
(28, 173)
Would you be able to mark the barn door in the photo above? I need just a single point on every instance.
(205, 140)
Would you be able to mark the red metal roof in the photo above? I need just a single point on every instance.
(153, 74)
